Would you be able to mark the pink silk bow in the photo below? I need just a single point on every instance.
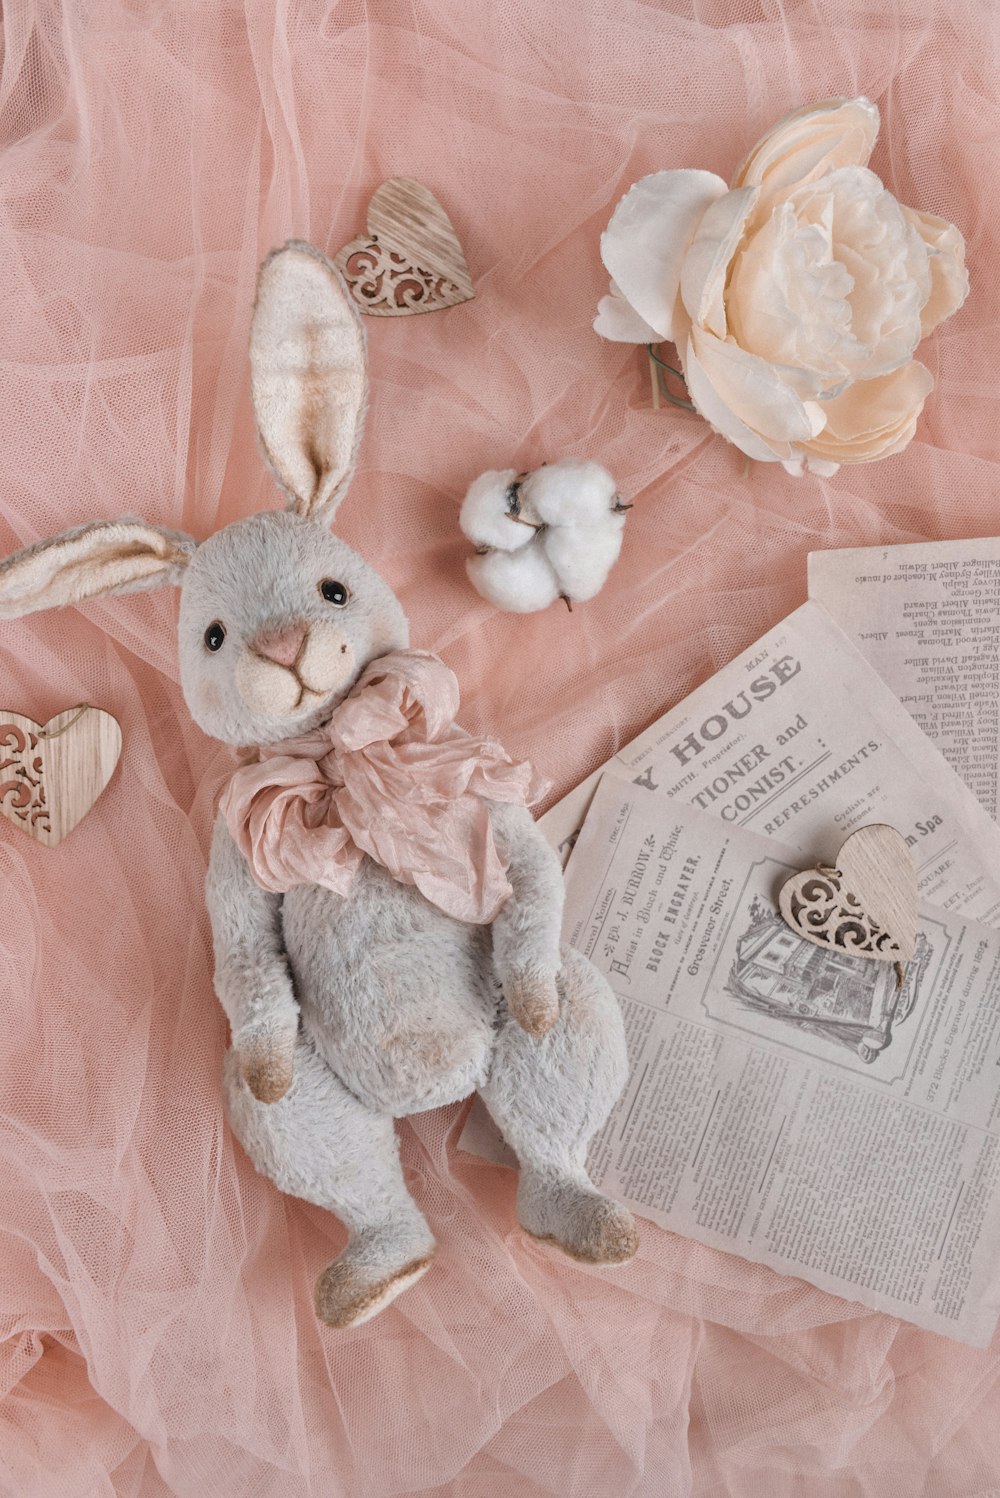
(391, 776)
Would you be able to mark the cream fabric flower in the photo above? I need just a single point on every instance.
(796, 297)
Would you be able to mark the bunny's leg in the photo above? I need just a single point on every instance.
(320, 1143)
(526, 952)
(252, 978)
(550, 1096)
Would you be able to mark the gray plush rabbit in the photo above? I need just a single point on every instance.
(375, 957)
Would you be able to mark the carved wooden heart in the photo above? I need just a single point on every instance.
(51, 775)
(410, 260)
(866, 906)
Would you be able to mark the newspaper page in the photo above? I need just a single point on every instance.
(926, 618)
(785, 1102)
(800, 739)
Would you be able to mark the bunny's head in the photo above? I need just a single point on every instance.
(277, 616)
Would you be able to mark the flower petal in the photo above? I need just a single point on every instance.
(703, 274)
(621, 323)
(644, 244)
(873, 418)
(949, 278)
(756, 391)
(723, 419)
(810, 142)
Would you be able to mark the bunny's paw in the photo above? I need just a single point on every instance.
(266, 1066)
(575, 1217)
(377, 1265)
(533, 1000)
(345, 1296)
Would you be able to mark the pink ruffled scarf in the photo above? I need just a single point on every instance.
(391, 776)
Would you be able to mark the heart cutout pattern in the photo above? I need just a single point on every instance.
(410, 260)
(866, 906)
(51, 774)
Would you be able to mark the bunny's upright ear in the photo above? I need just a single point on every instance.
(307, 369)
(108, 556)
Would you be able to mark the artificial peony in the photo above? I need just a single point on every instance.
(796, 297)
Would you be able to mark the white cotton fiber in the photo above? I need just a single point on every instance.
(570, 492)
(582, 557)
(484, 518)
(518, 583)
(568, 549)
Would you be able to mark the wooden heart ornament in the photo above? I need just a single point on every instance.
(410, 260)
(866, 906)
(51, 774)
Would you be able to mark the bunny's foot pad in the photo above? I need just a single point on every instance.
(345, 1297)
(598, 1231)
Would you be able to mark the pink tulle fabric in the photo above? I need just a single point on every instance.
(388, 775)
(156, 1326)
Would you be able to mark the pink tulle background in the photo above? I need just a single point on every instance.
(155, 1294)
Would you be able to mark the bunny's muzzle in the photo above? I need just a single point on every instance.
(294, 667)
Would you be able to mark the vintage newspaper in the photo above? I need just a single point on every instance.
(799, 739)
(788, 1103)
(925, 616)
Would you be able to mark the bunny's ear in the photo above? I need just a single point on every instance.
(108, 556)
(307, 370)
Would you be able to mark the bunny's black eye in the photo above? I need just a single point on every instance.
(214, 635)
(334, 592)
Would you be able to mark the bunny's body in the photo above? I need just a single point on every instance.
(411, 1021)
(350, 1010)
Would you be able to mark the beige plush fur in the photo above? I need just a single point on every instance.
(105, 556)
(308, 375)
(323, 663)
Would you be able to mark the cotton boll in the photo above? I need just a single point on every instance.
(570, 492)
(582, 556)
(519, 583)
(568, 545)
(484, 516)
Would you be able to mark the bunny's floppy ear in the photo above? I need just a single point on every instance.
(307, 371)
(108, 556)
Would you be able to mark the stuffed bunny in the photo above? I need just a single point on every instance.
(384, 943)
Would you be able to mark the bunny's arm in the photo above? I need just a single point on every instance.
(252, 978)
(527, 931)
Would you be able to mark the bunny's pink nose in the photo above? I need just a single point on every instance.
(280, 645)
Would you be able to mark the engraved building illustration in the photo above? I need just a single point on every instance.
(846, 1000)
